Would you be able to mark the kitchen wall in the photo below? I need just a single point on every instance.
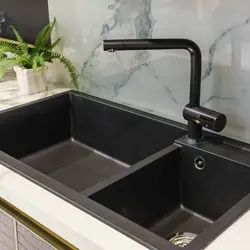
(28, 16)
(158, 81)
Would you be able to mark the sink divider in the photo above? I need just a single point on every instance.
(107, 182)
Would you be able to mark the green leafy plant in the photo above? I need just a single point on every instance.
(34, 57)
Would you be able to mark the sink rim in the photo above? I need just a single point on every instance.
(116, 221)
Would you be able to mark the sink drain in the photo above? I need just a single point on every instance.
(182, 239)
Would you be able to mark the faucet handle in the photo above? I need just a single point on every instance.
(205, 117)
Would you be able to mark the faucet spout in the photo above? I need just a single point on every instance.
(197, 116)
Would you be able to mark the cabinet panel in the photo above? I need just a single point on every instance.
(18, 231)
(27, 240)
(7, 232)
(28, 16)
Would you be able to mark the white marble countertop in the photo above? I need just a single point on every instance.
(74, 225)
(10, 96)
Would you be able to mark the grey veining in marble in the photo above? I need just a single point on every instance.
(158, 81)
(143, 25)
(212, 48)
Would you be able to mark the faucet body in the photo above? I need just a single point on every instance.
(196, 116)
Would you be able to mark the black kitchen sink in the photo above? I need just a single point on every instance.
(180, 189)
(80, 140)
(132, 170)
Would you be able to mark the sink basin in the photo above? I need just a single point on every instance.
(171, 193)
(131, 170)
(79, 140)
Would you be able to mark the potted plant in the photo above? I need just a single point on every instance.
(31, 62)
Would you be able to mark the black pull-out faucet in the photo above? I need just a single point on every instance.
(196, 115)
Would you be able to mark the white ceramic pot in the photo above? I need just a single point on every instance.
(31, 81)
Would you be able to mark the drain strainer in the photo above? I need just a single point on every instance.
(182, 239)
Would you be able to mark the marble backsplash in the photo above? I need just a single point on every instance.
(158, 81)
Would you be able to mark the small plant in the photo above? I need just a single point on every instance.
(34, 57)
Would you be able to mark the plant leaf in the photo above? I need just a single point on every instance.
(18, 37)
(44, 36)
(35, 61)
(24, 61)
(21, 44)
(67, 64)
(40, 36)
(53, 45)
(9, 47)
(6, 64)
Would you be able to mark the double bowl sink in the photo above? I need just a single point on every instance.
(132, 170)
